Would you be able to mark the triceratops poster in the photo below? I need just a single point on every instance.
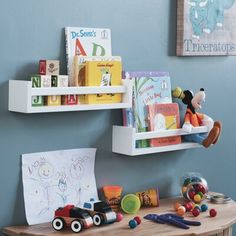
(206, 27)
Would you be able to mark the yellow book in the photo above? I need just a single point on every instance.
(103, 73)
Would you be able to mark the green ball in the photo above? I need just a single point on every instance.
(187, 182)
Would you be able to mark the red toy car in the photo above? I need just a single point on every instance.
(76, 218)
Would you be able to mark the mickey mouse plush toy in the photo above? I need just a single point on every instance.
(195, 119)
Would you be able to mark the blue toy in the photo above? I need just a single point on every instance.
(133, 224)
(172, 219)
(204, 207)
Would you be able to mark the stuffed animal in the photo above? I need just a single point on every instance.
(195, 119)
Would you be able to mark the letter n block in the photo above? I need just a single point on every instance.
(36, 83)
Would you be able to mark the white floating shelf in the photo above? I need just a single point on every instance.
(21, 92)
(124, 140)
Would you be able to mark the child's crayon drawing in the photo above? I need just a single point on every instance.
(54, 179)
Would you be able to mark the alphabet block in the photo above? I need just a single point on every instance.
(36, 83)
(49, 67)
(71, 99)
(54, 100)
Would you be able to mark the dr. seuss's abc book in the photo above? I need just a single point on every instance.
(148, 88)
(86, 42)
(164, 117)
(103, 73)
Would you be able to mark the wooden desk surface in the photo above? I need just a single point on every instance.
(219, 225)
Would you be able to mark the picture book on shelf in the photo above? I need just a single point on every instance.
(164, 117)
(103, 73)
(79, 63)
(86, 42)
(148, 88)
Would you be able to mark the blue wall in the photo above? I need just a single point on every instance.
(143, 33)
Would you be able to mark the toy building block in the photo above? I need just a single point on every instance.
(59, 81)
(71, 99)
(49, 67)
(54, 100)
(62, 80)
(36, 83)
(45, 81)
(54, 81)
(37, 101)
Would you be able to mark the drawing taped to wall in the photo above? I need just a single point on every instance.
(206, 27)
(55, 179)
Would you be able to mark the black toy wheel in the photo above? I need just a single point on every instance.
(97, 220)
(58, 223)
(76, 226)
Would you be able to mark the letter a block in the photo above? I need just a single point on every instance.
(49, 67)
(70, 99)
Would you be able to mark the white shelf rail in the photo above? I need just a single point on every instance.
(21, 92)
(124, 140)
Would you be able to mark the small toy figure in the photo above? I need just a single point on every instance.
(76, 218)
(100, 211)
(195, 119)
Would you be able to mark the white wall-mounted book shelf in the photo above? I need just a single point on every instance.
(124, 140)
(21, 92)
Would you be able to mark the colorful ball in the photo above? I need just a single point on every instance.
(213, 213)
(177, 205)
(188, 206)
(187, 182)
(184, 189)
(119, 217)
(181, 210)
(133, 224)
(195, 212)
(138, 219)
(197, 206)
(201, 188)
(197, 198)
(204, 207)
(191, 194)
(201, 194)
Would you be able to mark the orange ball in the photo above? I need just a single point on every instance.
(181, 210)
(177, 205)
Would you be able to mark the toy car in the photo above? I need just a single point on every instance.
(76, 218)
(100, 211)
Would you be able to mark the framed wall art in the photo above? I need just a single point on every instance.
(206, 27)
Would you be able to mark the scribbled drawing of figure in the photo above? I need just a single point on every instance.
(45, 170)
(198, 16)
(62, 186)
(45, 173)
(77, 172)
